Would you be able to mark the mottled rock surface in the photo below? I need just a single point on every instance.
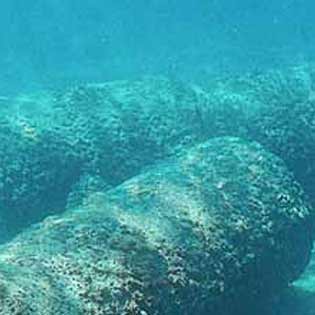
(53, 144)
(277, 109)
(207, 232)
(98, 136)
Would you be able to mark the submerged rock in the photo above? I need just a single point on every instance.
(105, 133)
(276, 108)
(209, 231)
(101, 135)
(36, 175)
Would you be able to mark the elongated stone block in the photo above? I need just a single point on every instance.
(207, 232)
(275, 108)
(100, 135)
(92, 136)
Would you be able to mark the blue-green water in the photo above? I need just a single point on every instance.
(157, 157)
(48, 43)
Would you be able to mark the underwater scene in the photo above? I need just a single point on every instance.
(157, 157)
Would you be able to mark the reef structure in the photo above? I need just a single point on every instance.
(208, 231)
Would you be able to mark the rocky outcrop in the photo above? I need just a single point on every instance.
(277, 109)
(93, 136)
(98, 136)
(210, 231)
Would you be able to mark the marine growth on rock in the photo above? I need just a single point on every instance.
(211, 230)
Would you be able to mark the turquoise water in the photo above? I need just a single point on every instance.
(157, 157)
(53, 43)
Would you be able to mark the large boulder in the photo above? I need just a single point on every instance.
(97, 136)
(93, 136)
(275, 108)
(208, 232)
(36, 174)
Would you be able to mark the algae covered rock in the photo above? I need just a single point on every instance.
(208, 231)
(289, 131)
(275, 108)
(35, 175)
(285, 120)
(100, 135)
(123, 126)
(52, 144)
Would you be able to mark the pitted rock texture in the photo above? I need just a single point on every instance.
(105, 133)
(206, 232)
(66, 146)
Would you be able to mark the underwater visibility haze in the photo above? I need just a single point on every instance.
(157, 157)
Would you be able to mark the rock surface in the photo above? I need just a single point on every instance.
(277, 109)
(100, 135)
(207, 232)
